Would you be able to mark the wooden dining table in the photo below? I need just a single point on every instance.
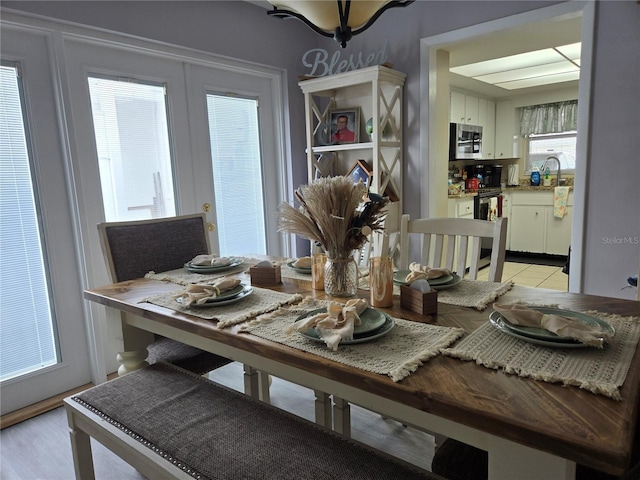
(531, 429)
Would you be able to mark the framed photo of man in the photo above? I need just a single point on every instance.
(345, 125)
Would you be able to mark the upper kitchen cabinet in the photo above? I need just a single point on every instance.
(506, 135)
(473, 110)
(373, 93)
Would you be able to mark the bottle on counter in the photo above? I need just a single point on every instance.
(535, 177)
(547, 179)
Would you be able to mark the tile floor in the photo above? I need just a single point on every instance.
(542, 276)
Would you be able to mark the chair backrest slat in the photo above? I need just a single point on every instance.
(463, 238)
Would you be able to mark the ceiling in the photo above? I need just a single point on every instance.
(526, 38)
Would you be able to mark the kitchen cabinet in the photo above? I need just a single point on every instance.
(487, 118)
(464, 108)
(377, 94)
(506, 145)
(533, 227)
(472, 110)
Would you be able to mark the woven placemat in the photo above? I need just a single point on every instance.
(601, 371)
(474, 293)
(260, 301)
(398, 354)
(182, 276)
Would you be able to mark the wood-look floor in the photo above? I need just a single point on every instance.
(39, 448)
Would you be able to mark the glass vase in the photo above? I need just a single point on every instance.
(341, 277)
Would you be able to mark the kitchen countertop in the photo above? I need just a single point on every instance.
(525, 186)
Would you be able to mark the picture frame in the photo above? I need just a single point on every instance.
(361, 170)
(345, 132)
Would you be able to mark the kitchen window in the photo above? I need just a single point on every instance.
(561, 145)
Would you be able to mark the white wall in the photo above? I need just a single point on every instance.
(243, 30)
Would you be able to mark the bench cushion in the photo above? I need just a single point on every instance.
(219, 433)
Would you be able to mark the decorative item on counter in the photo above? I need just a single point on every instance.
(265, 273)
(419, 297)
(317, 271)
(535, 177)
(339, 215)
(381, 282)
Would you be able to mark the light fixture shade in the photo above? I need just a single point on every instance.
(324, 13)
(340, 19)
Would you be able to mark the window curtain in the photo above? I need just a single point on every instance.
(549, 118)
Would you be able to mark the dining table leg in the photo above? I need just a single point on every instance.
(509, 460)
(135, 341)
(323, 409)
(341, 416)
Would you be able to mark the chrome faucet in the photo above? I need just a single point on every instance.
(544, 167)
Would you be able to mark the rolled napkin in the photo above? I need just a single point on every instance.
(212, 260)
(198, 293)
(334, 325)
(518, 314)
(418, 271)
(302, 262)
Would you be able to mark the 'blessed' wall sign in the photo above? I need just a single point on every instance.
(318, 60)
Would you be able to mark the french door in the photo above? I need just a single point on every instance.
(222, 125)
(44, 335)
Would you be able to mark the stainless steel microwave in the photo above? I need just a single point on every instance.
(465, 141)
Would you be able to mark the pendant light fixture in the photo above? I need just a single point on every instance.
(340, 19)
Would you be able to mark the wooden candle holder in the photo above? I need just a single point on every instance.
(265, 275)
(416, 301)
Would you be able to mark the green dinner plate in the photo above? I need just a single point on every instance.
(370, 319)
(400, 276)
(542, 334)
(381, 331)
(211, 268)
(306, 270)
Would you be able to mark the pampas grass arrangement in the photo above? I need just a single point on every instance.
(336, 214)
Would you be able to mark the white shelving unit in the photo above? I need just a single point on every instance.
(377, 92)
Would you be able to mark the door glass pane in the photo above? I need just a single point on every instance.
(27, 334)
(237, 174)
(134, 155)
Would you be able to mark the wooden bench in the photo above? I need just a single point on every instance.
(170, 423)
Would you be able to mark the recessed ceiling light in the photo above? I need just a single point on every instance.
(540, 67)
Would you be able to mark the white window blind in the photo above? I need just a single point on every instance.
(237, 174)
(132, 141)
(27, 334)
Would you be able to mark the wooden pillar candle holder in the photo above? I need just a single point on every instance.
(424, 303)
(265, 273)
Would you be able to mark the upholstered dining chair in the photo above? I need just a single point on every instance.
(455, 243)
(132, 249)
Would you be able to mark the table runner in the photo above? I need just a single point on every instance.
(599, 371)
(260, 301)
(476, 294)
(398, 354)
(182, 276)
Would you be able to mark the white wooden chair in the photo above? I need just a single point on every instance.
(455, 243)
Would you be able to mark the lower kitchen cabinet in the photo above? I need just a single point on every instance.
(533, 227)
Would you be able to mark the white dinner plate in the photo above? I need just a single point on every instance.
(211, 268)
